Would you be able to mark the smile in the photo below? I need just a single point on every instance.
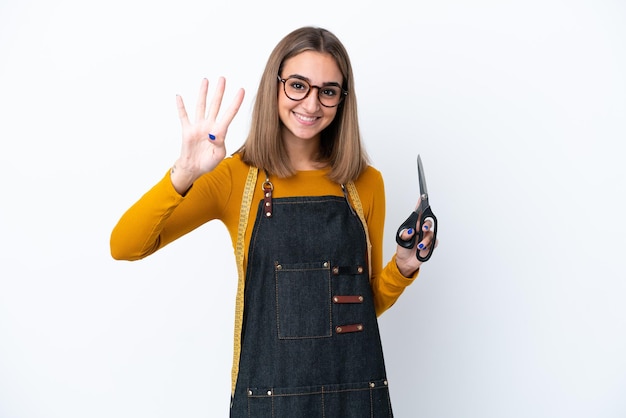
(306, 119)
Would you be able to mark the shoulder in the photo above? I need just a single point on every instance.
(371, 188)
(371, 178)
(232, 167)
(230, 173)
(234, 163)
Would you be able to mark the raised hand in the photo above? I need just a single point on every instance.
(203, 145)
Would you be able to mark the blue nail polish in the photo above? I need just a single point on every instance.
(409, 231)
(426, 227)
(420, 246)
(211, 137)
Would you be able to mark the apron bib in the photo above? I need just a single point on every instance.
(310, 345)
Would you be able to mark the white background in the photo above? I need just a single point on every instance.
(517, 108)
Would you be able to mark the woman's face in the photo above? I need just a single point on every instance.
(306, 118)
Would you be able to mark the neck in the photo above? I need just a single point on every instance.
(303, 153)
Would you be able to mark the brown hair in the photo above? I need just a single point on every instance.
(340, 144)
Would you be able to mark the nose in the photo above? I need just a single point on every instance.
(311, 101)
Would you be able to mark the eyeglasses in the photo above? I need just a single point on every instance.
(329, 95)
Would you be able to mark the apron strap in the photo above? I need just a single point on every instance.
(244, 214)
(356, 201)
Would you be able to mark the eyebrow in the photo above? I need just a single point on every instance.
(308, 80)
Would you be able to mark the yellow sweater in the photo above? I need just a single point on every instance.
(162, 215)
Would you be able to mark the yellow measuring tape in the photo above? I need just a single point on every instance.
(356, 201)
(244, 214)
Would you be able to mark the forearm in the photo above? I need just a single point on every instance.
(138, 232)
(389, 285)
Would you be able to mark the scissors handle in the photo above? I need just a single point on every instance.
(420, 232)
(411, 222)
(416, 221)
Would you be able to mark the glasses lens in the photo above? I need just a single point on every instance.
(296, 89)
(330, 95)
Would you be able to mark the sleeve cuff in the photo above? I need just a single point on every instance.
(398, 277)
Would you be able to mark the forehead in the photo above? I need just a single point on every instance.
(316, 66)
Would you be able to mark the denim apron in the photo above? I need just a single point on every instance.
(310, 345)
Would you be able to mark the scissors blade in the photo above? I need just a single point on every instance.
(422, 179)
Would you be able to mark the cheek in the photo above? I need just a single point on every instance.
(330, 114)
(284, 106)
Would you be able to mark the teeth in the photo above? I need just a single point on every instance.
(304, 118)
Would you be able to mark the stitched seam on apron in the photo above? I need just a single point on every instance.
(322, 391)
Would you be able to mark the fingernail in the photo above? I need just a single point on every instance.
(211, 137)
(409, 231)
(425, 227)
(420, 246)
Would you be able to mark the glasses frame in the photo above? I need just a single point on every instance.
(344, 93)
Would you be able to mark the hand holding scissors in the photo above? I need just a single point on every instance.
(418, 221)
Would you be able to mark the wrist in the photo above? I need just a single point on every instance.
(408, 268)
(408, 273)
(181, 179)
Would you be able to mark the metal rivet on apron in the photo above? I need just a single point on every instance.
(250, 392)
(279, 267)
(335, 270)
(339, 329)
(267, 187)
(385, 382)
(359, 327)
(361, 298)
(360, 269)
(335, 299)
(372, 384)
(325, 263)
(269, 393)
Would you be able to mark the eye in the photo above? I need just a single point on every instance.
(298, 85)
(330, 91)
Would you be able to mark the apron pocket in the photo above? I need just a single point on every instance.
(350, 400)
(356, 400)
(289, 402)
(303, 300)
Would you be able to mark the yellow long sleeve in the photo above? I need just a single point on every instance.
(162, 215)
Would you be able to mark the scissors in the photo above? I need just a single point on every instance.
(418, 218)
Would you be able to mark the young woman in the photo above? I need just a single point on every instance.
(305, 212)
